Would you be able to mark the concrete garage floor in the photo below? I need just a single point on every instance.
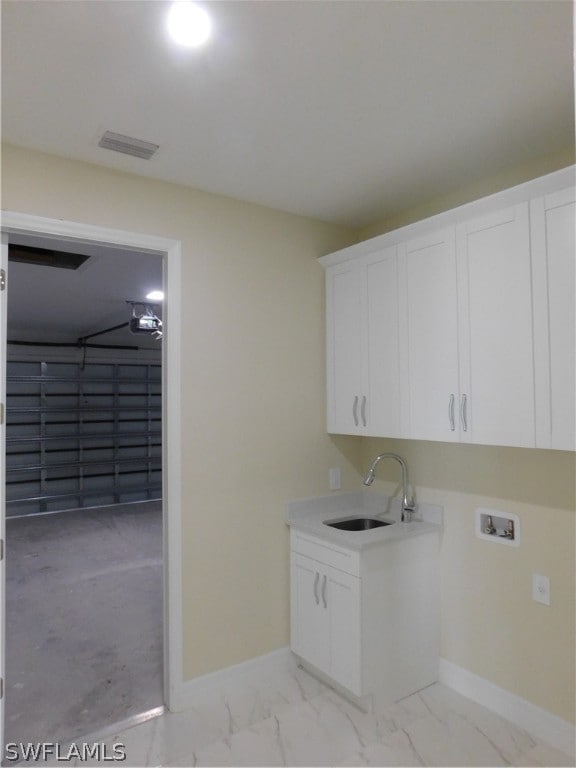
(83, 620)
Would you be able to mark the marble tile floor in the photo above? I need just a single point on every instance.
(291, 719)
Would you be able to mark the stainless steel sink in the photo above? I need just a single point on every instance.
(356, 523)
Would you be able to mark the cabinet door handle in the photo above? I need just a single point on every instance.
(363, 410)
(463, 413)
(355, 410)
(451, 413)
(316, 580)
(324, 591)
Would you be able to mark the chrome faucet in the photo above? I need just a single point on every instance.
(408, 504)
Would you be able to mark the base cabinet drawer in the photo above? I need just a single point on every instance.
(341, 558)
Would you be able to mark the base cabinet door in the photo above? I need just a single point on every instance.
(309, 628)
(325, 620)
(342, 603)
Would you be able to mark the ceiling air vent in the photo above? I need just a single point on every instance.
(128, 145)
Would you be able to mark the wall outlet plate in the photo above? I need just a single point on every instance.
(541, 589)
(334, 479)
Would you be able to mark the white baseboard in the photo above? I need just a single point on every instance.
(538, 722)
(185, 695)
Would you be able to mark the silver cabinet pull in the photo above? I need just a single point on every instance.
(363, 410)
(324, 591)
(316, 580)
(451, 413)
(463, 413)
(355, 410)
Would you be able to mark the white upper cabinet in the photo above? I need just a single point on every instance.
(553, 226)
(467, 332)
(382, 352)
(496, 348)
(362, 346)
(345, 358)
(429, 336)
(461, 327)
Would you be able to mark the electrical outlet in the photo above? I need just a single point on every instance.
(541, 589)
(334, 481)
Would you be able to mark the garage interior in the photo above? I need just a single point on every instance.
(83, 489)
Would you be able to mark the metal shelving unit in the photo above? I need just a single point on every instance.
(82, 436)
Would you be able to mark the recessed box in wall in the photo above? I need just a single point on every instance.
(501, 527)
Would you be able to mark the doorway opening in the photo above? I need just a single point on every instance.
(89, 571)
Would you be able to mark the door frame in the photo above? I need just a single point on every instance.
(3, 313)
(14, 223)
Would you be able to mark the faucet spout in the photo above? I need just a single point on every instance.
(408, 504)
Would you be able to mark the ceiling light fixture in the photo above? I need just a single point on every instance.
(188, 24)
(155, 296)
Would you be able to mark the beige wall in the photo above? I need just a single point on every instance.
(509, 177)
(490, 624)
(254, 435)
(252, 389)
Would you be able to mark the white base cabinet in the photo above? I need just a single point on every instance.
(367, 620)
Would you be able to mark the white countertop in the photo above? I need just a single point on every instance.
(309, 516)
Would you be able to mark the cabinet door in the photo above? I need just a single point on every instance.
(309, 625)
(553, 225)
(382, 344)
(342, 602)
(362, 342)
(429, 339)
(344, 348)
(495, 328)
(325, 620)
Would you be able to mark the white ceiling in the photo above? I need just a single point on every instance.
(346, 111)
